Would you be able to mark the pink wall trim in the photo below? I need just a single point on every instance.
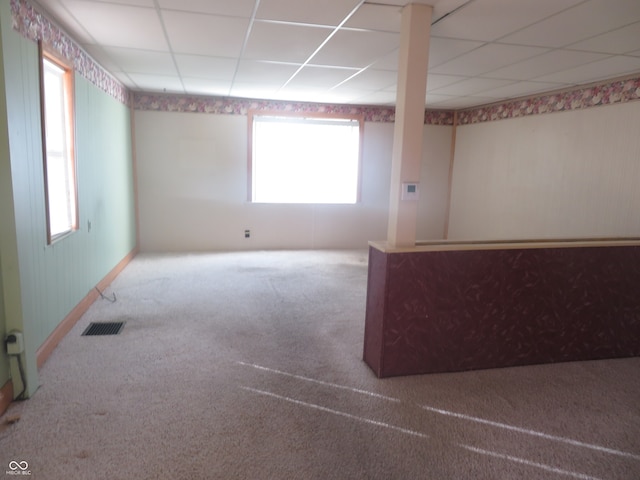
(607, 93)
(35, 26)
(240, 106)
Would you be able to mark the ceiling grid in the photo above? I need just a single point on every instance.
(345, 51)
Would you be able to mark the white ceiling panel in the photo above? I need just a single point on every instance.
(199, 66)
(377, 98)
(284, 42)
(371, 79)
(191, 33)
(487, 58)
(356, 48)
(139, 3)
(387, 62)
(453, 102)
(481, 51)
(489, 20)
(325, 12)
(120, 25)
(371, 16)
(99, 55)
(583, 21)
(124, 78)
(441, 50)
(201, 86)
(321, 78)
(349, 94)
(435, 81)
(622, 40)
(345, 96)
(158, 83)
(608, 68)
(271, 74)
(142, 61)
(471, 86)
(59, 13)
(547, 63)
(236, 8)
(520, 89)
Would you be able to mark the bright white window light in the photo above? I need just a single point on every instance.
(59, 161)
(305, 160)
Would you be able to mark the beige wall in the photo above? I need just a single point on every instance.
(192, 188)
(434, 182)
(569, 174)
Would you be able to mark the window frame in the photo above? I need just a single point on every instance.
(252, 113)
(46, 54)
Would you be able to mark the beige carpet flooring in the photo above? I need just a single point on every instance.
(249, 366)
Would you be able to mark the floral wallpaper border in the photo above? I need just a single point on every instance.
(611, 92)
(240, 106)
(35, 26)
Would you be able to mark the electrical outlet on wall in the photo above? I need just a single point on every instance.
(14, 343)
(247, 233)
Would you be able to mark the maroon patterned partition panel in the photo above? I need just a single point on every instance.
(446, 311)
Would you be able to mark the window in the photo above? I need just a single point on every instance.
(58, 147)
(298, 159)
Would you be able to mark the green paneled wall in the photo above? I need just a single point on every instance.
(54, 278)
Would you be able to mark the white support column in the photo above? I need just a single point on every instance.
(409, 122)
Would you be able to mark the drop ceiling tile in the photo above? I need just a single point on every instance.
(377, 98)
(350, 94)
(253, 90)
(201, 86)
(341, 97)
(471, 86)
(441, 8)
(586, 20)
(544, 64)
(284, 42)
(610, 67)
(351, 48)
(488, 20)
(139, 3)
(521, 89)
(200, 34)
(142, 61)
(316, 77)
(236, 8)
(99, 55)
(200, 66)
(125, 80)
(371, 79)
(457, 102)
(326, 12)
(435, 81)
(487, 58)
(120, 25)
(157, 83)
(441, 50)
(434, 100)
(61, 15)
(622, 40)
(271, 74)
(371, 16)
(298, 94)
(387, 62)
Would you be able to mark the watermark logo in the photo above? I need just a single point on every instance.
(18, 468)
